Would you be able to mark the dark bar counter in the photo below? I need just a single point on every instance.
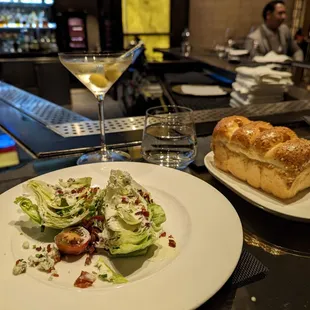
(210, 58)
(216, 71)
(35, 123)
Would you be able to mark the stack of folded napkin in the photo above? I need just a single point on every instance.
(259, 85)
(272, 57)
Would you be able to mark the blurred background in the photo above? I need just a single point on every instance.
(32, 32)
(48, 26)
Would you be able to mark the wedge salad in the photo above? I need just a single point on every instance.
(132, 219)
(122, 219)
(62, 205)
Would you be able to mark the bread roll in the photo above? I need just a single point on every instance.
(271, 158)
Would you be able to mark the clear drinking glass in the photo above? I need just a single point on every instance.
(169, 137)
(98, 72)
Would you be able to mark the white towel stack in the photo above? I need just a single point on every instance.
(259, 85)
(272, 57)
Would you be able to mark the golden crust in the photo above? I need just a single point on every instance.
(245, 135)
(272, 137)
(226, 127)
(294, 154)
(271, 158)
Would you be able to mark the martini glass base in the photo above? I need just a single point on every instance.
(98, 158)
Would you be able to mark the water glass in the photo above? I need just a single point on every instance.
(169, 137)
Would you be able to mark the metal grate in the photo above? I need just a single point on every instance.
(40, 109)
(92, 127)
(252, 110)
(70, 124)
(202, 116)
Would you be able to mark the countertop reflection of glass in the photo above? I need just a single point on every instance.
(169, 137)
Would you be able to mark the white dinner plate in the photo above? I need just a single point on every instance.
(205, 225)
(297, 208)
(200, 90)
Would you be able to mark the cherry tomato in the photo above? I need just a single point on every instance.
(73, 240)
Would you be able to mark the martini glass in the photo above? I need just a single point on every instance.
(98, 72)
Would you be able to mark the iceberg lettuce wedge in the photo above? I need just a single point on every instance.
(29, 208)
(62, 205)
(107, 274)
(133, 221)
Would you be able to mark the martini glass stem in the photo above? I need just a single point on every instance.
(104, 151)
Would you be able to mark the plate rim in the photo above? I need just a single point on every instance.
(186, 175)
(213, 172)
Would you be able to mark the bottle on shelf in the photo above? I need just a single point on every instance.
(26, 28)
(185, 46)
(53, 45)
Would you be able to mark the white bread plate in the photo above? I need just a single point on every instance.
(296, 208)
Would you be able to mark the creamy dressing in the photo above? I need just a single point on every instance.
(110, 212)
(44, 261)
(163, 251)
(104, 270)
(26, 245)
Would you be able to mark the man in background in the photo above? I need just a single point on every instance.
(273, 34)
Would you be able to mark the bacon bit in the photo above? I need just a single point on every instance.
(163, 234)
(125, 200)
(95, 189)
(56, 275)
(143, 212)
(147, 197)
(88, 223)
(88, 260)
(39, 248)
(73, 191)
(57, 258)
(148, 224)
(85, 280)
(98, 218)
(50, 270)
(49, 248)
(93, 238)
(18, 261)
(172, 243)
(79, 190)
(94, 231)
(146, 213)
(137, 201)
(170, 236)
(60, 192)
(91, 249)
(84, 196)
